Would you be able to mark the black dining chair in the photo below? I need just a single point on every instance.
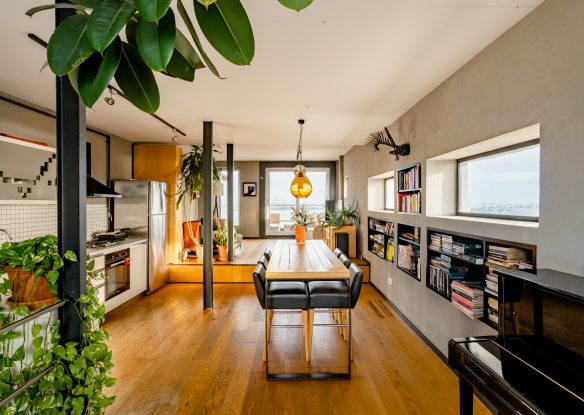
(337, 252)
(337, 295)
(279, 295)
(345, 260)
(268, 254)
(264, 260)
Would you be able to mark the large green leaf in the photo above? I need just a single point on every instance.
(296, 4)
(97, 71)
(187, 20)
(68, 46)
(156, 40)
(184, 47)
(107, 20)
(227, 28)
(90, 4)
(152, 10)
(179, 67)
(131, 30)
(137, 81)
(31, 12)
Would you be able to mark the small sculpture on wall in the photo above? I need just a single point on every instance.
(378, 138)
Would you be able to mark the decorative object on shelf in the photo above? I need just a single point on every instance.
(302, 218)
(77, 373)
(300, 187)
(249, 189)
(408, 250)
(378, 138)
(221, 240)
(87, 46)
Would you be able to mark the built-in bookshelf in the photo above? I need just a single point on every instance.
(409, 189)
(381, 238)
(408, 250)
(461, 268)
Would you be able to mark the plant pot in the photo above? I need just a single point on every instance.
(28, 290)
(222, 253)
(300, 234)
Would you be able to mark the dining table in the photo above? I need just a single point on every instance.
(311, 260)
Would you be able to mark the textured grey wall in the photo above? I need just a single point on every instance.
(532, 74)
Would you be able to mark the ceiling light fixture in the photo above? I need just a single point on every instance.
(301, 187)
(110, 100)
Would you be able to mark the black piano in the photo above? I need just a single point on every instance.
(535, 365)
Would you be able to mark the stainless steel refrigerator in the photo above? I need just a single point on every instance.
(143, 209)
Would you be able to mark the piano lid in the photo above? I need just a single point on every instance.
(547, 374)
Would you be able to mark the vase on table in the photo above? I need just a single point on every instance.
(300, 234)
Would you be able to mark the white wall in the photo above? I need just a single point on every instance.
(532, 74)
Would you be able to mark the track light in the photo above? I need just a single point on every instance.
(110, 100)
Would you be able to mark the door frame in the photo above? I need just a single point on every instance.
(264, 165)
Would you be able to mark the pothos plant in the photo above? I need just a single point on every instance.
(87, 46)
(80, 371)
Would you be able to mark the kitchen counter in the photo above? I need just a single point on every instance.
(126, 243)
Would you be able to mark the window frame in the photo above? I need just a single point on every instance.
(236, 217)
(501, 150)
(385, 193)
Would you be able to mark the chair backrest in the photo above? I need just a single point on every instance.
(338, 252)
(188, 242)
(268, 254)
(264, 261)
(345, 260)
(356, 281)
(259, 282)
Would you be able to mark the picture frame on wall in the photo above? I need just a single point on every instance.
(249, 189)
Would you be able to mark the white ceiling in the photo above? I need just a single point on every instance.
(347, 69)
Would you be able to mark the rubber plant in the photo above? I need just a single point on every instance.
(79, 372)
(89, 48)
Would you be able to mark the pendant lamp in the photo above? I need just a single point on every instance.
(301, 187)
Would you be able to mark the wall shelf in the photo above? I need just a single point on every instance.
(409, 189)
(408, 250)
(381, 238)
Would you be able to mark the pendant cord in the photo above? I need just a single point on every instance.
(299, 152)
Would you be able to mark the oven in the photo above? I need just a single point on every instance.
(117, 273)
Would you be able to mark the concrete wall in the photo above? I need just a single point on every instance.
(531, 74)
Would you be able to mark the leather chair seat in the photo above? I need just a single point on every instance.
(287, 295)
(328, 294)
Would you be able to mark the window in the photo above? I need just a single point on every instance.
(389, 192)
(501, 184)
(279, 200)
(223, 196)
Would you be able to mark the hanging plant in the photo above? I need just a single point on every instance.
(87, 46)
(80, 371)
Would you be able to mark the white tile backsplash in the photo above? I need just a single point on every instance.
(25, 221)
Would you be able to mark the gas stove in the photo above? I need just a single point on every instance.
(106, 239)
(100, 243)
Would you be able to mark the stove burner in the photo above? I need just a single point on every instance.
(100, 243)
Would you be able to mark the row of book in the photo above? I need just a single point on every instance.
(508, 257)
(492, 283)
(493, 310)
(442, 272)
(386, 227)
(410, 203)
(468, 297)
(407, 258)
(465, 249)
(409, 179)
(377, 238)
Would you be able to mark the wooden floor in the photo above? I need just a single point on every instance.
(251, 252)
(171, 357)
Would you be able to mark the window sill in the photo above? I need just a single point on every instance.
(507, 222)
(381, 211)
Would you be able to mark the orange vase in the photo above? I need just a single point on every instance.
(300, 234)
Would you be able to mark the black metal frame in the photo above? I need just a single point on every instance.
(208, 215)
(230, 222)
(502, 150)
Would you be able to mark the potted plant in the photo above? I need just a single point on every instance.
(33, 269)
(302, 218)
(345, 220)
(221, 241)
(81, 371)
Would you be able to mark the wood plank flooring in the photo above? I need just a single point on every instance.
(171, 357)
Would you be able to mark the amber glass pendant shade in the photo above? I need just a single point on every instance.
(301, 187)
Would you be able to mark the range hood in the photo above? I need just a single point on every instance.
(94, 187)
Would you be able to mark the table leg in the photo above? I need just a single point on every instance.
(466, 396)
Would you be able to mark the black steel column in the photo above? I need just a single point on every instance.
(230, 201)
(71, 195)
(207, 214)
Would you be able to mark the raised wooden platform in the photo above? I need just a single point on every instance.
(241, 269)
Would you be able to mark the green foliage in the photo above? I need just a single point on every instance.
(296, 4)
(190, 176)
(302, 217)
(347, 216)
(221, 236)
(81, 371)
(94, 28)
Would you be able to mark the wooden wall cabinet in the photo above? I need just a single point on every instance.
(161, 162)
(351, 230)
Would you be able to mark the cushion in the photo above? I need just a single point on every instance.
(328, 294)
(287, 295)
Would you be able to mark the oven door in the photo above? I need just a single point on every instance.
(117, 278)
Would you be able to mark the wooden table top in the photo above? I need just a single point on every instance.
(312, 260)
